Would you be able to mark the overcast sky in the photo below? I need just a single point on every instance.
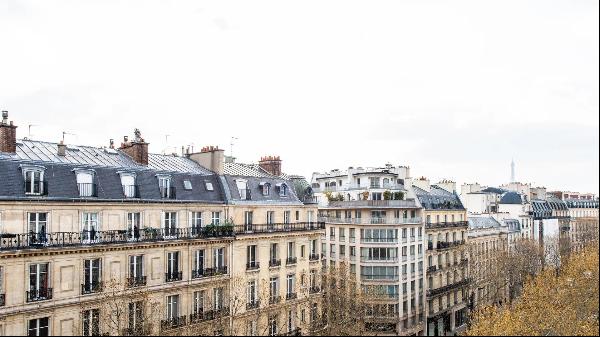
(452, 89)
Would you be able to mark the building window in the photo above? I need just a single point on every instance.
(243, 190)
(169, 220)
(266, 188)
(129, 188)
(273, 325)
(173, 273)
(196, 222)
(38, 227)
(187, 185)
(218, 298)
(38, 327)
(216, 218)
(252, 294)
(274, 290)
(92, 271)
(251, 259)
(133, 225)
(34, 181)
(270, 217)
(172, 308)
(136, 317)
(248, 218)
(209, 186)
(291, 286)
(85, 183)
(164, 185)
(39, 282)
(286, 217)
(198, 302)
(91, 322)
(89, 227)
(198, 263)
(283, 190)
(136, 270)
(219, 258)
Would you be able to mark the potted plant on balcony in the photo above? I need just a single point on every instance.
(387, 195)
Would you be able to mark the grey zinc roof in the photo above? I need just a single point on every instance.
(483, 222)
(46, 152)
(438, 198)
(511, 198)
(246, 170)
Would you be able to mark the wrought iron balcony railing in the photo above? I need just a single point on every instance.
(91, 288)
(173, 323)
(275, 263)
(291, 260)
(2, 300)
(174, 276)
(87, 190)
(71, 239)
(136, 281)
(278, 227)
(36, 295)
(252, 304)
(253, 265)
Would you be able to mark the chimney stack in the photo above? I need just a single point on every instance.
(111, 143)
(8, 135)
(136, 149)
(210, 157)
(271, 164)
(62, 149)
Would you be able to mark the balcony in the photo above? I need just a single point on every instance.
(372, 221)
(314, 290)
(409, 203)
(291, 260)
(168, 192)
(291, 296)
(87, 190)
(91, 288)
(274, 263)
(278, 227)
(2, 300)
(37, 188)
(446, 288)
(252, 266)
(37, 295)
(87, 238)
(252, 305)
(137, 281)
(131, 191)
(293, 332)
(432, 269)
(447, 225)
(173, 276)
(202, 316)
(216, 271)
(173, 323)
(274, 299)
(314, 257)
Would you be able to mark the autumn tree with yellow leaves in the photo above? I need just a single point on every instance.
(563, 303)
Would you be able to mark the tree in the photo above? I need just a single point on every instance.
(124, 311)
(560, 304)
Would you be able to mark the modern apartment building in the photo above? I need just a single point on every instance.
(375, 229)
(121, 241)
(447, 280)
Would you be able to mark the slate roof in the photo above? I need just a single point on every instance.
(483, 222)
(581, 203)
(438, 198)
(541, 209)
(511, 198)
(556, 204)
(513, 225)
(62, 182)
(494, 190)
(254, 175)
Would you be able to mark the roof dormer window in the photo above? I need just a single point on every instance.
(34, 180)
(187, 185)
(283, 189)
(85, 183)
(167, 190)
(266, 188)
(209, 186)
(243, 190)
(130, 189)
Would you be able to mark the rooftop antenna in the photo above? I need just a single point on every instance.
(166, 144)
(66, 133)
(30, 125)
(231, 146)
